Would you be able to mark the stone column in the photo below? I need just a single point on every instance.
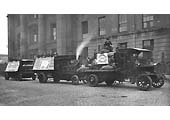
(61, 30)
(23, 41)
(41, 34)
(11, 37)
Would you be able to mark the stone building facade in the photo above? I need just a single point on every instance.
(33, 34)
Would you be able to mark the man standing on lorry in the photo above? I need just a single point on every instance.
(108, 45)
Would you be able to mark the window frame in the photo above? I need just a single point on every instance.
(147, 19)
(52, 27)
(100, 23)
(84, 26)
(122, 23)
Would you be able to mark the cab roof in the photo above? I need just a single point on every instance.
(134, 50)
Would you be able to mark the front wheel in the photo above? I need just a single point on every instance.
(93, 80)
(157, 82)
(144, 82)
(75, 79)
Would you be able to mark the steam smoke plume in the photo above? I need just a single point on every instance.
(81, 47)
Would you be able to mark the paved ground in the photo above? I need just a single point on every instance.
(32, 93)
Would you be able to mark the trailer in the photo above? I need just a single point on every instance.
(18, 69)
(61, 67)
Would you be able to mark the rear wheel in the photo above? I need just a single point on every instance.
(144, 82)
(42, 78)
(75, 79)
(93, 80)
(157, 82)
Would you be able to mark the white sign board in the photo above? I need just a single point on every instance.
(102, 58)
(12, 66)
(44, 63)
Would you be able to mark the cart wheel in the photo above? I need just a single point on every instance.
(109, 83)
(6, 76)
(157, 82)
(93, 80)
(42, 78)
(75, 80)
(56, 79)
(144, 82)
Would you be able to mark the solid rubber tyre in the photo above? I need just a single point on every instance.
(144, 82)
(157, 82)
(93, 80)
(75, 80)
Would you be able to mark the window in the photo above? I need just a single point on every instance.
(101, 26)
(148, 21)
(53, 31)
(122, 45)
(35, 37)
(34, 34)
(85, 27)
(122, 22)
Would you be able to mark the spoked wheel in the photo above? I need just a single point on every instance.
(157, 82)
(93, 80)
(144, 82)
(75, 80)
(42, 78)
(109, 83)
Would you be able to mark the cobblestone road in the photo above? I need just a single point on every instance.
(32, 93)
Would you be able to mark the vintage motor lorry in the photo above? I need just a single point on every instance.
(119, 66)
(19, 69)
